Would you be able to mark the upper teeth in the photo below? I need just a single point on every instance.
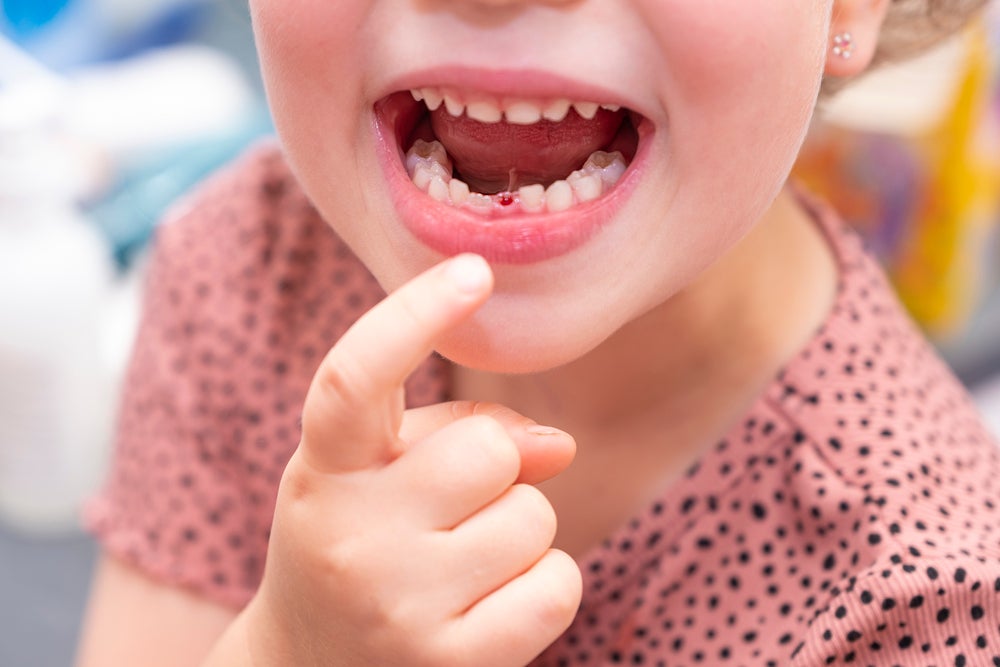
(515, 111)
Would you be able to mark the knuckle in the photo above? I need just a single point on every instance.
(343, 560)
(340, 379)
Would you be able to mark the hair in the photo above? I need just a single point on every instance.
(912, 26)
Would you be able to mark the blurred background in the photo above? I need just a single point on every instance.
(112, 109)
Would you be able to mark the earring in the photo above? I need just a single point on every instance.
(843, 45)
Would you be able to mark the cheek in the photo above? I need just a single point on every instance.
(311, 63)
(739, 88)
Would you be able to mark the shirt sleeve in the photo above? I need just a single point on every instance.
(912, 612)
(247, 289)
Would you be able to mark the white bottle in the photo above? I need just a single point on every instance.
(56, 396)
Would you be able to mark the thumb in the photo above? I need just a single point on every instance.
(545, 451)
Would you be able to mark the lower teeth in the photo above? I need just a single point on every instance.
(430, 169)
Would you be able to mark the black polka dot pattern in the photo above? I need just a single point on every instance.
(849, 518)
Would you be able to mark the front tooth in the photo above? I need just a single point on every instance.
(608, 166)
(459, 191)
(586, 110)
(559, 196)
(532, 197)
(523, 113)
(454, 106)
(417, 95)
(556, 111)
(587, 187)
(611, 107)
(438, 189)
(432, 98)
(484, 111)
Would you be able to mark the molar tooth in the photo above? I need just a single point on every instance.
(427, 151)
(609, 167)
(532, 197)
(559, 196)
(459, 191)
(586, 109)
(432, 98)
(523, 113)
(484, 111)
(438, 189)
(556, 111)
(587, 187)
(453, 105)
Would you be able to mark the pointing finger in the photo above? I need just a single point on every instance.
(354, 407)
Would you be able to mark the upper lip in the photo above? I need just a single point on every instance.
(510, 84)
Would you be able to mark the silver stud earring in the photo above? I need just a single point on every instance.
(843, 45)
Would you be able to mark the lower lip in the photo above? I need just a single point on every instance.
(514, 238)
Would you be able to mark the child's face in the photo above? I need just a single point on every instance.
(715, 95)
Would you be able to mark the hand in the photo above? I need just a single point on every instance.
(413, 538)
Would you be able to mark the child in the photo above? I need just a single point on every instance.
(582, 205)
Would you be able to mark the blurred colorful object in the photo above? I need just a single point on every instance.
(911, 155)
(63, 34)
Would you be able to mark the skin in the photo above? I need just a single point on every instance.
(710, 236)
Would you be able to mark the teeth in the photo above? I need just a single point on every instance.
(586, 109)
(586, 187)
(523, 113)
(438, 190)
(427, 152)
(454, 106)
(459, 191)
(479, 201)
(609, 167)
(432, 98)
(532, 197)
(517, 112)
(423, 175)
(485, 111)
(556, 111)
(430, 169)
(559, 196)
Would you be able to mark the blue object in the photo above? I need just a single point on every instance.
(25, 17)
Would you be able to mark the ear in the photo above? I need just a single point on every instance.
(854, 33)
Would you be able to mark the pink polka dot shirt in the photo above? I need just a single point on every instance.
(851, 516)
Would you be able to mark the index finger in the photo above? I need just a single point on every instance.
(354, 406)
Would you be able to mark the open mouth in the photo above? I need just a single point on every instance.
(515, 179)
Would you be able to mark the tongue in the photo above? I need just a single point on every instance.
(494, 157)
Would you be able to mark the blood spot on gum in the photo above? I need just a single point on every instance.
(506, 199)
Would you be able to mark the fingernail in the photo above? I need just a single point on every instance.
(538, 429)
(469, 273)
